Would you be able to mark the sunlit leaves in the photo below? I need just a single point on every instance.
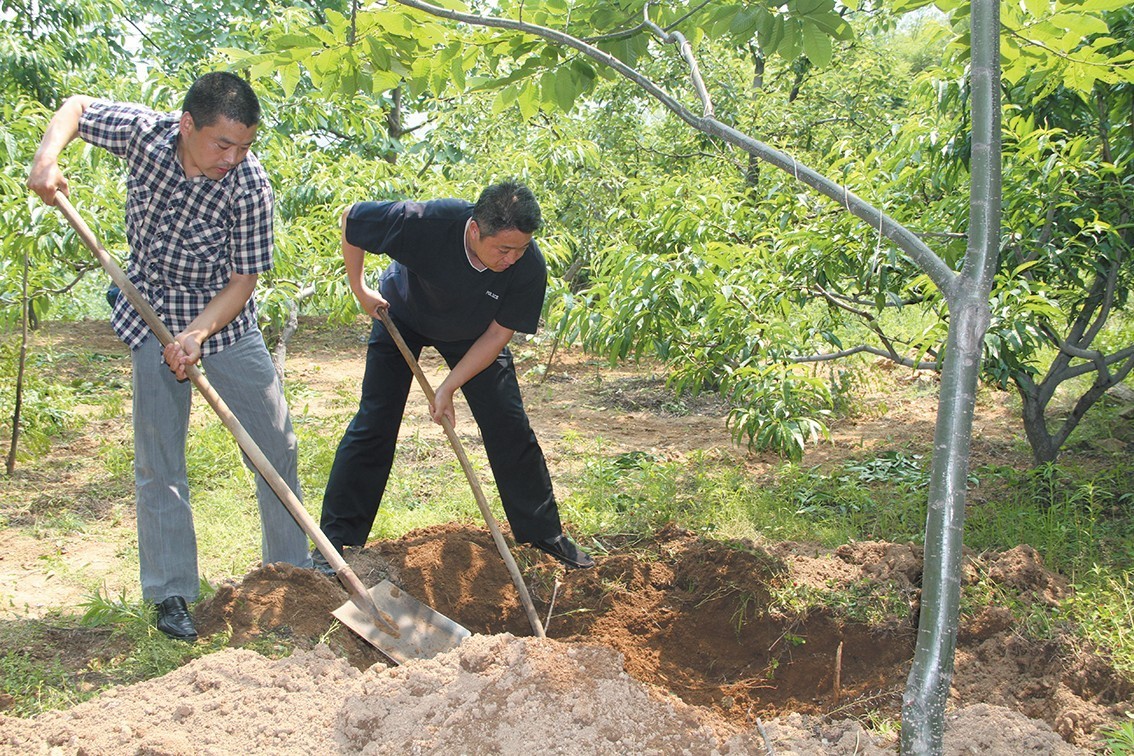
(802, 27)
(777, 408)
(373, 52)
(1067, 42)
(384, 47)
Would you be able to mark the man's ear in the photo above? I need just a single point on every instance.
(187, 124)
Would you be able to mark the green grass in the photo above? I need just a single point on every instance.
(1103, 609)
(1075, 518)
(36, 685)
(119, 644)
(1119, 741)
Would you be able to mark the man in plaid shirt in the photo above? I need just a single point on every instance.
(199, 223)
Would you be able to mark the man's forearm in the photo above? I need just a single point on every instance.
(480, 355)
(44, 176)
(63, 127)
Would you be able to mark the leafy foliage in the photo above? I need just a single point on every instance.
(732, 281)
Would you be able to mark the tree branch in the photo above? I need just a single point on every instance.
(939, 272)
(871, 322)
(903, 361)
(678, 40)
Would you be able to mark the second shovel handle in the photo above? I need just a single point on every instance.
(470, 473)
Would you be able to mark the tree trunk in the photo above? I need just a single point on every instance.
(279, 350)
(1035, 429)
(752, 174)
(19, 400)
(927, 689)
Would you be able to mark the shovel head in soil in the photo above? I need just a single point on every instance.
(423, 631)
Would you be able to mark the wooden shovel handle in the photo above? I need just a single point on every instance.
(353, 585)
(478, 493)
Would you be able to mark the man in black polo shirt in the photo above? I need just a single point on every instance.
(464, 278)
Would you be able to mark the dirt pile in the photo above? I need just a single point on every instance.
(671, 620)
(494, 694)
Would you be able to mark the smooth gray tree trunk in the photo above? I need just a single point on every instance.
(927, 689)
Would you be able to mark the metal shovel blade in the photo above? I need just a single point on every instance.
(425, 632)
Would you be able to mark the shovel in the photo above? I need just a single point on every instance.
(489, 520)
(387, 618)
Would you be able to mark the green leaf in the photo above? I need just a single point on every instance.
(337, 21)
(816, 45)
(234, 53)
(566, 90)
(506, 97)
(792, 44)
(263, 68)
(583, 68)
(834, 25)
(1079, 23)
(1097, 5)
(291, 41)
(744, 24)
(326, 37)
(807, 7)
(384, 81)
(457, 70)
(528, 100)
(775, 37)
(289, 78)
(376, 52)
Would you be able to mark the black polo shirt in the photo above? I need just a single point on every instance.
(431, 285)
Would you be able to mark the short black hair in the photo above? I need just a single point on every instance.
(505, 206)
(221, 95)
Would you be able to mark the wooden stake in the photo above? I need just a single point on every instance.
(838, 670)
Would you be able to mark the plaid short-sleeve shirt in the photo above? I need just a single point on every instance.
(187, 235)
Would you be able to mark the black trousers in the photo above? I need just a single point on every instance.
(366, 453)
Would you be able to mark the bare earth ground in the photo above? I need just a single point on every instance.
(667, 646)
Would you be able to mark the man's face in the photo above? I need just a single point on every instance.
(501, 250)
(214, 150)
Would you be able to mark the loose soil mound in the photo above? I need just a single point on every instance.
(688, 621)
(494, 694)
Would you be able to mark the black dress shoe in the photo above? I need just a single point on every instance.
(566, 552)
(173, 619)
(320, 564)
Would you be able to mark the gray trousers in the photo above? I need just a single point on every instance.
(243, 375)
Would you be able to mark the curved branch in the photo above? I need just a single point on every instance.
(1028, 42)
(862, 302)
(627, 33)
(678, 40)
(1088, 399)
(869, 319)
(80, 271)
(903, 361)
(1091, 366)
(939, 272)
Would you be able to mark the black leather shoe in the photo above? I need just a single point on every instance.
(566, 552)
(173, 619)
(320, 564)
